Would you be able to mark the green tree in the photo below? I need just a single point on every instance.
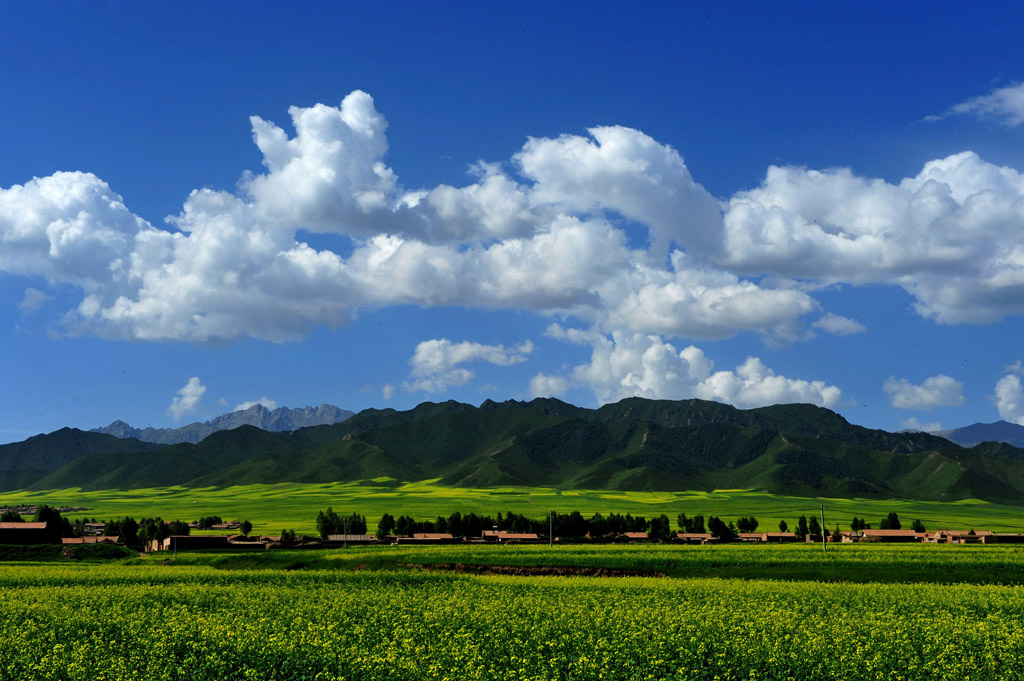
(454, 524)
(387, 524)
(747, 524)
(891, 522)
(783, 526)
(354, 524)
(56, 526)
(246, 527)
(178, 528)
(11, 516)
(813, 527)
(859, 525)
(694, 525)
(128, 530)
(660, 528)
(719, 530)
(152, 529)
(917, 526)
(327, 522)
(801, 528)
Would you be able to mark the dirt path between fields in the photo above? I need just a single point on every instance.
(535, 570)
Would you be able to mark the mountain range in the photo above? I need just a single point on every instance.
(277, 420)
(635, 444)
(1000, 431)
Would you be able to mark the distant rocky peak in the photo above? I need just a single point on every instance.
(277, 420)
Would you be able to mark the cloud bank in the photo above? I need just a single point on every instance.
(627, 365)
(608, 229)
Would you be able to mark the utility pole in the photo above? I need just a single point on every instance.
(824, 546)
(551, 529)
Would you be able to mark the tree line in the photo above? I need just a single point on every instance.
(134, 533)
(575, 525)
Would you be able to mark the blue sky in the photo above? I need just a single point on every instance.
(206, 205)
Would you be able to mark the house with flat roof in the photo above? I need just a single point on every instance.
(694, 537)
(889, 536)
(25, 533)
(90, 540)
(502, 536)
(351, 539)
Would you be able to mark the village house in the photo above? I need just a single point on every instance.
(695, 537)
(90, 540)
(635, 536)
(1002, 538)
(778, 537)
(230, 525)
(336, 540)
(429, 538)
(889, 536)
(959, 536)
(25, 533)
(504, 537)
(186, 542)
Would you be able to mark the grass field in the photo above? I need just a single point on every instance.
(353, 615)
(294, 506)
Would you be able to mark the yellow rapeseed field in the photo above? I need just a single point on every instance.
(136, 622)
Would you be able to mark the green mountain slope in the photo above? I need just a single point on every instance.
(635, 444)
(45, 453)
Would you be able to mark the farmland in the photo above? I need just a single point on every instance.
(295, 505)
(362, 615)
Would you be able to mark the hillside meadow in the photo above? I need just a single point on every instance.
(295, 505)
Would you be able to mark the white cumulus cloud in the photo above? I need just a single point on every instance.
(624, 170)
(543, 385)
(550, 231)
(951, 236)
(265, 401)
(627, 365)
(549, 240)
(435, 363)
(1009, 399)
(839, 325)
(913, 424)
(188, 399)
(937, 391)
(33, 300)
(1005, 104)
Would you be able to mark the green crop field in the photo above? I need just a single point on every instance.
(863, 563)
(359, 614)
(294, 506)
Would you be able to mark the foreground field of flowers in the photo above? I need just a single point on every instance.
(94, 622)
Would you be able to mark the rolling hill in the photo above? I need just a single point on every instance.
(635, 444)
